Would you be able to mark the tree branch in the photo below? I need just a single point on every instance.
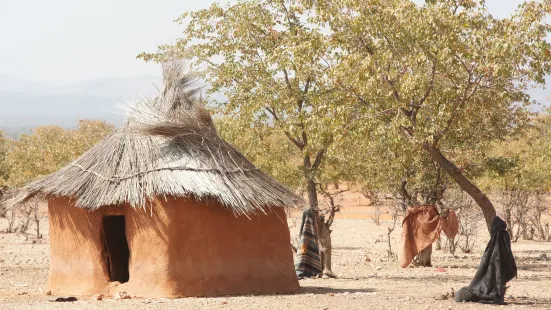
(318, 159)
(333, 209)
(453, 171)
(415, 108)
(304, 93)
(465, 97)
(286, 75)
(297, 142)
(360, 98)
(406, 196)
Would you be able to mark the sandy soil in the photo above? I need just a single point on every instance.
(366, 278)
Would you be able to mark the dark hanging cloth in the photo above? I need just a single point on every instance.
(496, 268)
(308, 263)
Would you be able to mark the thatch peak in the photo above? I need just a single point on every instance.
(168, 147)
(178, 106)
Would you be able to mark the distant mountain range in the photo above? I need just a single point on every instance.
(25, 104)
(116, 87)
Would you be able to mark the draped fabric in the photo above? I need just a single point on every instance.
(421, 227)
(308, 263)
(497, 267)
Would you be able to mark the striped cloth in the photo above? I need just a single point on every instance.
(308, 263)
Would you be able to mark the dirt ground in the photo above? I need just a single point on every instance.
(366, 278)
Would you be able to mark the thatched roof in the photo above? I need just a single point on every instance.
(168, 147)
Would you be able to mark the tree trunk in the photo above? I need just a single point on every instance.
(424, 257)
(451, 245)
(312, 195)
(37, 221)
(479, 197)
(322, 231)
(509, 221)
(11, 221)
(324, 238)
(438, 244)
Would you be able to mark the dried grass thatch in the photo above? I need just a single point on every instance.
(168, 147)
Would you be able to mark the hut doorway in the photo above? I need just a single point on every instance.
(117, 254)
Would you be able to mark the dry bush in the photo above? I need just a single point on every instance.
(469, 225)
(25, 221)
(10, 217)
(396, 212)
(3, 207)
(3, 211)
(295, 239)
(375, 203)
(29, 216)
(376, 215)
(524, 213)
(540, 208)
(469, 218)
(395, 206)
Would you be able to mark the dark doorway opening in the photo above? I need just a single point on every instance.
(117, 254)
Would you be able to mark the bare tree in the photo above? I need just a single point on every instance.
(295, 240)
(524, 211)
(36, 219)
(521, 206)
(3, 207)
(469, 224)
(396, 211)
(10, 216)
(537, 212)
(26, 212)
(468, 216)
(30, 214)
(374, 202)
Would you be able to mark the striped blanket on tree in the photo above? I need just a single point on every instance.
(308, 262)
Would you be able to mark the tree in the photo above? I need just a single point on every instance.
(38, 154)
(404, 176)
(518, 170)
(4, 169)
(451, 74)
(43, 152)
(49, 148)
(270, 151)
(87, 134)
(269, 61)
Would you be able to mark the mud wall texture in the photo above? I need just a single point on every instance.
(76, 262)
(178, 248)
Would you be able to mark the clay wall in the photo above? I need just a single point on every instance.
(178, 248)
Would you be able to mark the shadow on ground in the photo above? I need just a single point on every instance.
(331, 290)
(525, 301)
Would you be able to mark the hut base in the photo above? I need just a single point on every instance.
(180, 248)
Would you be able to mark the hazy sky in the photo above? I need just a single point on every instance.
(63, 41)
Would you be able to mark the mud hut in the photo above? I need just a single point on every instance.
(163, 207)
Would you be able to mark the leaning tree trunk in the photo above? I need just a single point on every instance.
(479, 197)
